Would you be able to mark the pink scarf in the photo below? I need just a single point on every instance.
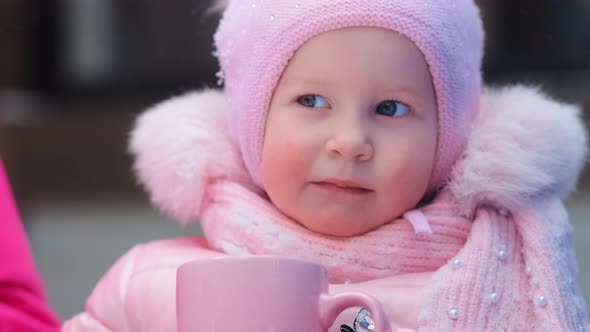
(238, 221)
(482, 280)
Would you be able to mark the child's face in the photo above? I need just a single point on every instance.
(351, 133)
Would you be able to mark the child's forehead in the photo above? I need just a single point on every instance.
(383, 59)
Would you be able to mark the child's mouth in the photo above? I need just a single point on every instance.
(340, 186)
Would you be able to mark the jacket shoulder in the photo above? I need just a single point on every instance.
(141, 285)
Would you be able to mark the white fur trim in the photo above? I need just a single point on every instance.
(523, 145)
(179, 146)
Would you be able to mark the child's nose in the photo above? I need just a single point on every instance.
(350, 142)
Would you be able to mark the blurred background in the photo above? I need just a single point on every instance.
(75, 73)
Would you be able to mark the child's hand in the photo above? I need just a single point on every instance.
(401, 296)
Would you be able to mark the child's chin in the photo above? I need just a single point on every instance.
(341, 228)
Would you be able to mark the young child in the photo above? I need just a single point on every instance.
(23, 305)
(356, 134)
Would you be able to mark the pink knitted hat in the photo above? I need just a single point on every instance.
(256, 39)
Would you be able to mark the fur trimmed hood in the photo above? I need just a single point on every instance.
(522, 145)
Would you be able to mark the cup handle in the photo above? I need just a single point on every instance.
(332, 305)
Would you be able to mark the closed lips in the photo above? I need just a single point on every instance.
(342, 185)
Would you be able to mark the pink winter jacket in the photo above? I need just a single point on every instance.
(23, 306)
(524, 155)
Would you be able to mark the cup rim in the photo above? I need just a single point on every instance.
(253, 258)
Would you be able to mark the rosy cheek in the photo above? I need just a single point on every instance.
(405, 174)
(294, 158)
(284, 161)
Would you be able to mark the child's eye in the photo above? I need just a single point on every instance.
(313, 101)
(392, 108)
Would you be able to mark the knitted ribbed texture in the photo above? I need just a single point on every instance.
(256, 39)
(514, 276)
(238, 221)
(492, 274)
(488, 289)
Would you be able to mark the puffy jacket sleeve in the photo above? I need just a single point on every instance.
(23, 306)
(139, 292)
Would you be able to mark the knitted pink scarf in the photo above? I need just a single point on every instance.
(238, 221)
(482, 278)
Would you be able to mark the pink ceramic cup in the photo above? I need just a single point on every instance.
(262, 294)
